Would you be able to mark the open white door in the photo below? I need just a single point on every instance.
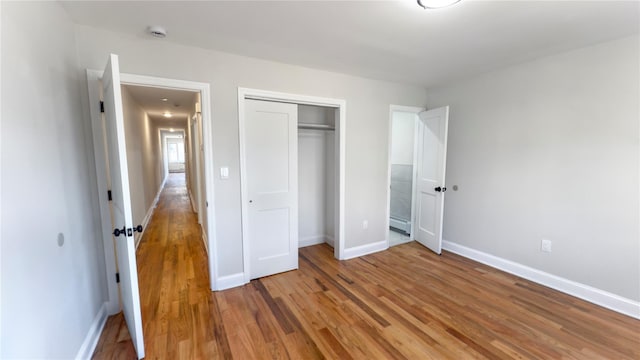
(271, 137)
(432, 159)
(121, 203)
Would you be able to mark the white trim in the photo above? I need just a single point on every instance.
(366, 249)
(330, 240)
(230, 281)
(93, 335)
(585, 292)
(312, 240)
(205, 241)
(341, 105)
(193, 203)
(150, 212)
(408, 109)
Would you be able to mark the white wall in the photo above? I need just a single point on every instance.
(50, 294)
(402, 137)
(367, 112)
(550, 149)
(142, 159)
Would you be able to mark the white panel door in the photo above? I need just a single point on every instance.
(271, 135)
(431, 162)
(121, 203)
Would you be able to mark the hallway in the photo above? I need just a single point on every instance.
(179, 315)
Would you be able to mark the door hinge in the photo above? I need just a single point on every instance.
(101, 106)
(118, 277)
(109, 195)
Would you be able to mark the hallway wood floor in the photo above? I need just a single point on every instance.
(404, 303)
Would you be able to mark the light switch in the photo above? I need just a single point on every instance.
(224, 172)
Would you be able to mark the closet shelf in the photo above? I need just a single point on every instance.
(315, 126)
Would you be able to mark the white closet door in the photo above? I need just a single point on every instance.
(271, 135)
(432, 158)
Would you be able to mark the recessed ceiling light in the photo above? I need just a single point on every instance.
(167, 114)
(157, 31)
(436, 4)
(164, 99)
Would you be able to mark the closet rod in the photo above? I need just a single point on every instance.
(315, 126)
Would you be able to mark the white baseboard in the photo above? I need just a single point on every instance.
(93, 335)
(193, 202)
(205, 240)
(585, 292)
(361, 250)
(230, 281)
(149, 214)
(330, 241)
(312, 240)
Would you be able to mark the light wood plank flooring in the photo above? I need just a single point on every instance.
(404, 303)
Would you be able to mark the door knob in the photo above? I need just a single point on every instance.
(117, 232)
(138, 228)
(440, 189)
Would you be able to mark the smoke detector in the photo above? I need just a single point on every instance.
(157, 31)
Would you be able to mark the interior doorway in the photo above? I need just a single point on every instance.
(113, 103)
(417, 160)
(403, 126)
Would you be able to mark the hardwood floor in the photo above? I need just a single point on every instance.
(404, 303)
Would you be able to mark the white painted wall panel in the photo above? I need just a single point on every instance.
(550, 149)
(50, 294)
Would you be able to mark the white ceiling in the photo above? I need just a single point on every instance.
(180, 103)
(390, 40)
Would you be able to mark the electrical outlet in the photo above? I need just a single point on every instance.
(365, 225)
(545, 245)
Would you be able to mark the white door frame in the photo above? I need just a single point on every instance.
(341, 105)
(407, 109)
(93, 83)
(194, 138)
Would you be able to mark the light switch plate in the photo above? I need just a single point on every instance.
(224, 172)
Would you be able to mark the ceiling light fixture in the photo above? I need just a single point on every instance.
(436, 4)
(164, 99)
(167, 114)
(157, 31)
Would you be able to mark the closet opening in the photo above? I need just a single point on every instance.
(292, 178)
(316, 175)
